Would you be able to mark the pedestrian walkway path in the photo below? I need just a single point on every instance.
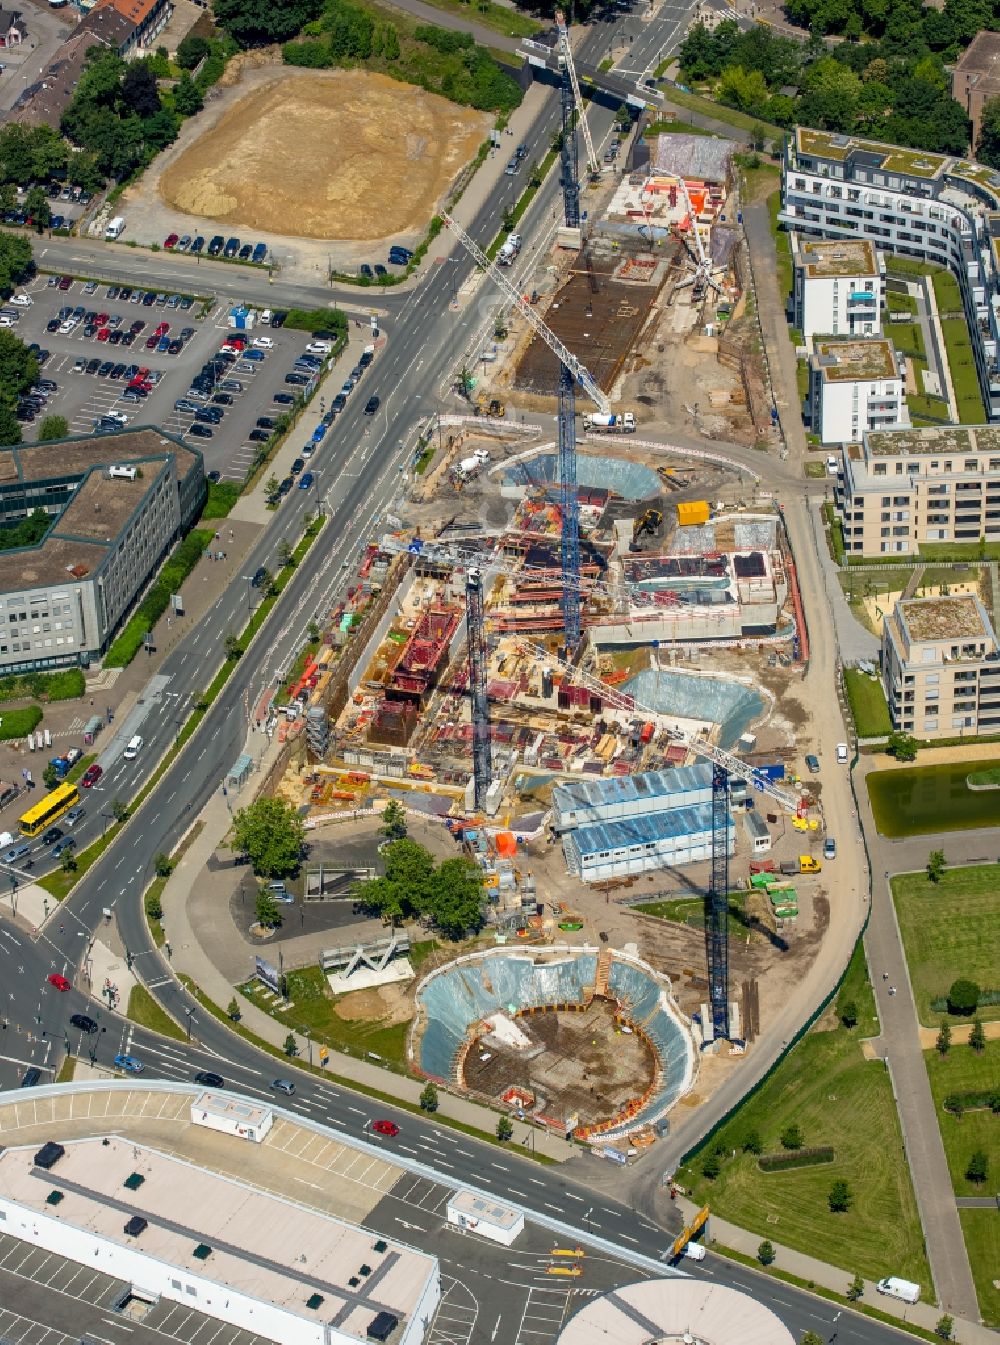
(812, 1271)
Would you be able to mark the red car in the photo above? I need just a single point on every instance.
(91, 775)
(101, 320)
(234, 343)
(103, 333)
(152, 342)
(171, 240)
(163, 328)
(389, 1128)
(65, 283)
(60, 982)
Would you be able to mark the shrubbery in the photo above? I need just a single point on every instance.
(58, 686)
(799, 1158)
(185, 557)
(19, 723)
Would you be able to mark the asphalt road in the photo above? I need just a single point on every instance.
(359, 467)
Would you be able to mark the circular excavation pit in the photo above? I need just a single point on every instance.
(581, 1066)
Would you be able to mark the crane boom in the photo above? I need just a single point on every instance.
(566, 52)
(562, 354)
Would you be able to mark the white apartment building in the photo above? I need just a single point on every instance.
(941, 667)
(837, 287)
(901, 488)
(910, 203)
(854, 386)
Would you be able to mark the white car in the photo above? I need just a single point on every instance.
(265, 317)
(262, 343)
(22, 301)
(832, 466)
(6, 320)
(133, 749)
(66, 327)
(319, 347)
(841, 754)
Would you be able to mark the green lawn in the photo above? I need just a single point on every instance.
(510, 22)
(868, 703)
(695, 103)
(900, 303)
(783, 246)
(909, 338)
(691, 911)
(914, 800)
(991, 777)
(838, 1098)
(665, 127)
(963, 369)
(313, 1014)
(950, 929)
(961, 1070)
(982, 1239)
(946, 293)
(143, 1009)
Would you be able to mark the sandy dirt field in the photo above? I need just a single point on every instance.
(326, 155)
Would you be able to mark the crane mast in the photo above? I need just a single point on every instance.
(566, 56)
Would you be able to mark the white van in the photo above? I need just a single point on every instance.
(134, 748)
(116, 228)
(841, 754)
(905, 1290)
(695, 1251)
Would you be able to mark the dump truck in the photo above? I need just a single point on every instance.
(600, 423)
(804, 864)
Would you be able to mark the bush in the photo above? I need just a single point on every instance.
(791, 1137)
(505, 1129)
(316, 319)
(191, 50)
(765, 1253)
(154, 906)
(711, 1165)
(60, 686)
(429, 1098)
(963, 997)
(19, 723)
(314, 55)
(752, 1142)
(848, 1013)
(797, 1158)
(840, 1197)
(182, 561)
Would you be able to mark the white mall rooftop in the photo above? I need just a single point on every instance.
(672, 1312)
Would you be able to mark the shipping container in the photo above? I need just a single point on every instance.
(692, 513)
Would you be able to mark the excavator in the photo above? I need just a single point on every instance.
(646, 525)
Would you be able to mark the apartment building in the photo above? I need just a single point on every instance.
(118, 502)
(854, 387)
(837, 287)
(900, 488)
(910, 203)
(941, 667)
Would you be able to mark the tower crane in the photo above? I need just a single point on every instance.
(703, 272)
(724, 766)
(482, 746)
(566, 60)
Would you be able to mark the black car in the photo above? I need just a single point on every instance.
(366, 271)
(52, 835)
(246, 251)
(278, 317)
(105, 369)
(149, 299)
(258, 436)
(297, 466)
(283, 398)
(216, 245)
(265, 422)
(372, 405)
(260, 574)
(213, 477)
(296, 380)
(93, 366)
(211, 415)
(52, 325)
(84, 1023)
(223, 399)
(210, 1080)
(200, 431)
(117, 372)
(286, 485)
(339, 402)
(31, 1077)
(198, 245)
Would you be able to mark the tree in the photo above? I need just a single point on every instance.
(154, 905)
(393, 826)
(963, 997)
(52, 427)
(233, 1011)
(36, 203)
(978, 1167)
(191, 50)
(505, 1129)
(848, 1011)
(255, 23)
(272, 487)
(752, 1142)
(902, 746)
(945, 1327)
(791, 1137)
(711, 1165)
(50, 776)
(840, 1197)
(18, 369)
(69, 861)
(163, 865)
(286, 553)
(457, 897)
(187, 96)
(953, 1103)
(10, 429)
(977, 1037)
(856, 1288)
(313, 632)
(139, 91)
(943, 1043)
(16, 260)
(291, 1047)
(270, 832)
(429, 1097)
(119, 810)
(233, 648)
(988, 144)
(268, 912)
(936, 865)
(766, 1253)
(811, 1338)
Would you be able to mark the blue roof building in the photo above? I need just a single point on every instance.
(656, 840)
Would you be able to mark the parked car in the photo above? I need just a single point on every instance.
(216, 245)
(232, 247)
(306, 480)
(198, 245)
(812, 763)
(200, 431)
(171, 241)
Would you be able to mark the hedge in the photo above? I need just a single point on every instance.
(796, 1158)
(973, 1100)
(940, 1005)
(19, 723)
(316, 319)
(59, 686)
(184, 558)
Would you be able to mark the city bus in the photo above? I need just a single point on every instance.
(45, 812)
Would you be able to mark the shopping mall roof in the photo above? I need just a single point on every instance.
(630, 832)
(650, 786)
(249, 1241)
(674, 1310)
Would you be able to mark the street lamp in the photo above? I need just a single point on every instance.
(249, 579)
(190, 1020)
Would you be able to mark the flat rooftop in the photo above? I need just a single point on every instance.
(958, 618)
(934, 439)
(890, 158)
(835, 257)
(231, 1108)
(646, 787)
(675, 824)
(74, 457)
(846, 361)
(489, 1211)
(260, 1245)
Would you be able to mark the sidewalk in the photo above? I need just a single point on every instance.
(188, 956)
(810, 1270)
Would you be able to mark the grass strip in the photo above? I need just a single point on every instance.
(869, 707)
(66, 1070)
(144, 1010)
(354, 1085)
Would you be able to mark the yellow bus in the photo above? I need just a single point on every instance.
(45, 812)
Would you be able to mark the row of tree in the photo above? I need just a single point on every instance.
(18, 371)
(449, 893)
(905, 22)
(877, 89)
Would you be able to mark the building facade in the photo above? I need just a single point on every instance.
(910, 203)
(837, 287)
(941, 667)
(610, 850)
(854, 387)
(976, 78)
(118, 502)
(901, 488)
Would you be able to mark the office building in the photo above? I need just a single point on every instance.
(976, 78)
(854, 386)
(941, 668)
(118, 502)
(837, 287)
(901, 488)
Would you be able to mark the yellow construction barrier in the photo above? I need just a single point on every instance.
(568, 1251)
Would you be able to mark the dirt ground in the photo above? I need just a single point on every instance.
(388, 1004)
(326, 154)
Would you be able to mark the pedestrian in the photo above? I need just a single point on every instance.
(62, 928)
(885, 976)
(892, 990)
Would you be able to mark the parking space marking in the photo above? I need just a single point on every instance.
(455, 1319)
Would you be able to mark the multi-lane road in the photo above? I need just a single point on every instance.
(360, 472)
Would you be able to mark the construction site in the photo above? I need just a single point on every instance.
(581, 658)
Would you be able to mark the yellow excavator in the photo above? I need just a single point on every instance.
(647, 524)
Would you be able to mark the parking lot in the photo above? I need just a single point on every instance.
(102, 379)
